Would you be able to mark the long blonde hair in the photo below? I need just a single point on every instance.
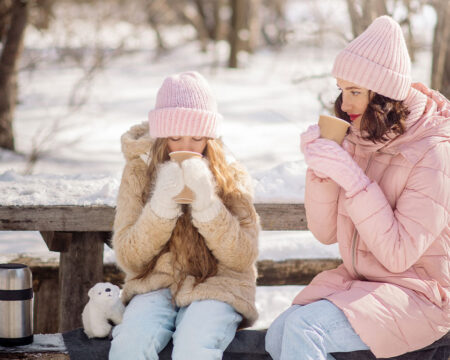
(191, 255)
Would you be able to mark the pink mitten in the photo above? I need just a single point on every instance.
(328, 158)
(306, 138)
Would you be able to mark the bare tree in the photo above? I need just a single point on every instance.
(362, 13)
(440, 73)
(238, 29)
(274, 25)
(199, 14)
(13, 20)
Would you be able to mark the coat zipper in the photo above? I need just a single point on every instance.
(355, 233)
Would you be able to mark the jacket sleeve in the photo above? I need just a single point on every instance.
(399, 237)
(232, 236)
(321, 204)
(139, 234)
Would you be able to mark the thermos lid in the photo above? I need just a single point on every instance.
(15, 277)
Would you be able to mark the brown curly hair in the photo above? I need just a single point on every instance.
(383, 115)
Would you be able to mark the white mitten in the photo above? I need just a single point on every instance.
(169, 183)
(197, 176)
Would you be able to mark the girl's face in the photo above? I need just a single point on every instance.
(354, 100)
(187, 143)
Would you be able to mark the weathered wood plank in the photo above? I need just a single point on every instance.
(57, 240)
(80, 268)
(292, 271)
(101, 217)
(57, 218)
(282, 216)
(33, 356)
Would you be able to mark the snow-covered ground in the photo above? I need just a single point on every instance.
(264, 107)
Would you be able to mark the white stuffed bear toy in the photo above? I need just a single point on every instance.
(104, 304)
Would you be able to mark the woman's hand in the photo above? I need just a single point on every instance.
(328, 158)
(200, 180)
(308, 137)
(169, 183)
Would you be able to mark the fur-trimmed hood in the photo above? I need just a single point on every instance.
(136, 141)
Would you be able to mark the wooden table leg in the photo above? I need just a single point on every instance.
(80, 267)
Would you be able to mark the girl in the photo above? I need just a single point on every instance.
(385, 199)
(190, 270)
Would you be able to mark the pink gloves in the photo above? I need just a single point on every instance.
(328, 158)
(197, 176)
(306, 138)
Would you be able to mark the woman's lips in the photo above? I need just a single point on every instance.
(353, 116)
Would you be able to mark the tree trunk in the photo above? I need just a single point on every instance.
(219, 28)
(254, 25)
(238, 8)
(440, 71)
(370, 9)
(12, 48)
(355, 18)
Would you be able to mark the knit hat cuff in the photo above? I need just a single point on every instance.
(365, 73)
(178, 121)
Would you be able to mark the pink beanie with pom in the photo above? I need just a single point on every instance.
(377, 60)
(185, 106)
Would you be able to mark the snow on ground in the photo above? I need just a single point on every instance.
(41, 342)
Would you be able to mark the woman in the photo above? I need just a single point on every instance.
(190, 269)
(385, 198)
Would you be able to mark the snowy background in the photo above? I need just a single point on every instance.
(264, 105)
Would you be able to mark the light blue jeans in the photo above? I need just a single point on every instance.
(200, 331)
(311, 332)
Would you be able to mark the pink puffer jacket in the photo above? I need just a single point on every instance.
(394, 237)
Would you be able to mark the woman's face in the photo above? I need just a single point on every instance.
(354, 100)
(187, 143)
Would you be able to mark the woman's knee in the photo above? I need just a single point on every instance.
(274, 335)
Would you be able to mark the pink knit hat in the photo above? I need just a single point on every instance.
(185, 106)
(377, 60)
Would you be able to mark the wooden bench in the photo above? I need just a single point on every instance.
(78, 233)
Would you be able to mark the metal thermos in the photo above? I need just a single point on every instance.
(16, 305)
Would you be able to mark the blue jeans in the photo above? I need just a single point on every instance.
(311, 332)
(203, 330)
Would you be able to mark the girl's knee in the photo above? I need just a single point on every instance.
(132, 343)
(275, 333)
(196, 350)
(124, 345)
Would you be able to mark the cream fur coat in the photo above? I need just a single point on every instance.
(139, 235)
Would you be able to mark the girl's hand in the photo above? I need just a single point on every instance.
(169, 183)
(200, 180)
(328, 158)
